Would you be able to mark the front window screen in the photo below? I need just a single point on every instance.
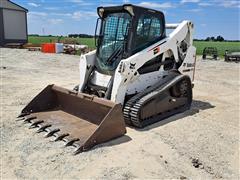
(114, 32)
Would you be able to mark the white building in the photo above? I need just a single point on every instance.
(13, 23)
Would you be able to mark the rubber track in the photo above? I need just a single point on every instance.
(130, 103)
(133, 106)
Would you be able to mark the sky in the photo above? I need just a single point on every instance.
(63, 17)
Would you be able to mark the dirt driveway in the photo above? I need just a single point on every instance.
(200, 143)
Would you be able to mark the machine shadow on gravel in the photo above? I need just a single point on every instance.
(196, 107)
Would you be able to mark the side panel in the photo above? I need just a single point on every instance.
(1, 28)
(119, 87)
(189, 63)
(14, 25)
(141, 82)
(26, 26)
(86, 64)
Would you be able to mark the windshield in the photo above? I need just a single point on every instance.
(112, 41)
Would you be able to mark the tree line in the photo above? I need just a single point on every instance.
(212, 38)
(80, 36)
(216, 39)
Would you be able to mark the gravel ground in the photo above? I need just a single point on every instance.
(200, 143)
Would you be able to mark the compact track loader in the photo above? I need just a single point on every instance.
(138, 75)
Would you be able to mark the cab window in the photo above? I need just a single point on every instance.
(148, 31)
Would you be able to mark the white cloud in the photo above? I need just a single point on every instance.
(189, 1)
(205, 4)
(228, 3)
(34, 17)
(203, 25)
(222, 3)
(52, 8)
(78, 15)
(156, 5)
(195, 10)
(77, 1)
(33, 13)
(126, 1)
(34, 4)
(81, 2)
(57, 18)
(108, 4)
(55, 21)
(61, 14)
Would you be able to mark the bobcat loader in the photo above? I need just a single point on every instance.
(137, 75)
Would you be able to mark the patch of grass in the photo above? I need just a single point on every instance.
(221, 46)
(41, 39)
(87, 41)
(200, 45)
(46, 39)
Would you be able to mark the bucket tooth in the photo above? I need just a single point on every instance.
(78, 150)
(35, 124)
(28, 120)
(51, 132)
(61, 136)
(23, 114)
(41, 129)
(70, 142)
(21, 119)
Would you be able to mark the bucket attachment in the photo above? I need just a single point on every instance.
(79, 119)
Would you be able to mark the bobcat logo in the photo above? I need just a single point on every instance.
(132, 66)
